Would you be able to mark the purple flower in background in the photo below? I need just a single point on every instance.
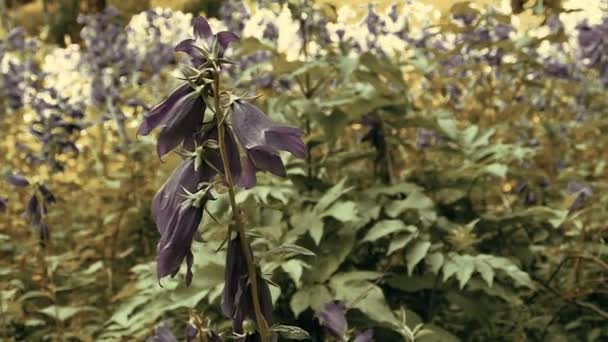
(16, 39)
(367, 336)
(394, 13)
(582, 190)
(180, 115)
(237, 299)
(593, 42)
(193, 334)
(3, 204)
(271, 32)
(162, 334)
(502, 31)
(177, 219)
(333, 318)
(203, 34)
(425, 138)
(17, 180)
(262, 139)
(47, 195)
(34, 211)
(234, 14)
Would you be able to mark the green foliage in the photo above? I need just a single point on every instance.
(426, 244)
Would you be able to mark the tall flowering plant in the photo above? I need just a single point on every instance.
(224, 140)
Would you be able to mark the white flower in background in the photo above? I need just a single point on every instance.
(162, 25)
(392, 45)
(258, 22)
(289, 41)
(215, 24)
(64, 72)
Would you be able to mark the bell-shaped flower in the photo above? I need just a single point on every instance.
(262, 139)
(180, 115)
(177, 219)
(237, 300)
(366, 336)
(162, 334)
(203, 39)
(333, 319)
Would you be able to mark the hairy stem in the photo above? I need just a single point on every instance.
(238, 219)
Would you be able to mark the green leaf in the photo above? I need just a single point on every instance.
(343, 211)
(332, 252)
(416, 254)
(485, 270)
(313, 297)
(387, 227)
(498, 170)
(303, 222)
(294, 268)
(401, 241)
(316, 232)
(435, 261)
(415, 200)
(291, 332)
(291, 249)
(369, 299)
(331, 196)
(64, 313)
(466, 267)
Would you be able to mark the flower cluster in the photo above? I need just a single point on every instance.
(227, 150)
(593, 44)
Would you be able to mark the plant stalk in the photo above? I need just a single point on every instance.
(262, 325)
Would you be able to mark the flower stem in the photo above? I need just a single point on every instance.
(262, 325)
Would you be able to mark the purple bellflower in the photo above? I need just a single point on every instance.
(177, 219)
(204, 35)
(366, 336)
(162, 334)
(237, 300)
(180, 115)
(262, 139)
(333, 319)
(582, 191)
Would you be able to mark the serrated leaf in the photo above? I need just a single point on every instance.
(316, 233)
(466, 267)
(290, 248)
(416, 254)
(400, 242)
(485, 270)
(332, 195)
(415, 200)
(313, 297)
(387, 227)
(498, 170)
(300, 301)
(368, 298)
(305, 222)
(64, 313)
(435, 261)
(343, 211)
(291, 332)
(449, 269)
(294, 268)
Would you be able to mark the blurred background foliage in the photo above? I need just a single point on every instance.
(454, 187)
